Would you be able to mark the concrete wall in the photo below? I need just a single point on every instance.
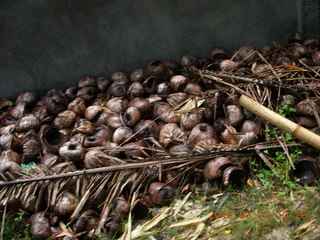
(52, 43)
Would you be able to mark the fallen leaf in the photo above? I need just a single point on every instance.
(185, 188)
(295, 67)
(190, 221)
(204, 198)
(141, 230)
(198, 231)
(305, 225)
(191, 104)
(250, 182)
(220, 222)
(192, 213)
(180, 204)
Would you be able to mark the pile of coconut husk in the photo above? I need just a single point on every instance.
(79, 161)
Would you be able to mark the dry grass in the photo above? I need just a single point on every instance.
(256, 212)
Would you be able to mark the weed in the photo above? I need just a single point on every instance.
(286, 109)
(27, 167)
(281, 162)
(16, 227)
(280, 173)
(260, 210)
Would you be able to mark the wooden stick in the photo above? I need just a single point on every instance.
(285, 124)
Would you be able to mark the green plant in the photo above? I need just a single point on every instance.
(281, 171)
(16, 227)
(27, 167)
(286, 110)
(281, 162)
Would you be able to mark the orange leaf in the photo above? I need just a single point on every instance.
(295, 67)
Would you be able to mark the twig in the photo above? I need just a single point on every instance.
(314, 112)
(267, 162)
(114, 191)
(285, 149)
(274, 72)
(257, 81)
(220, 80)
(181, 174)
(305, 65)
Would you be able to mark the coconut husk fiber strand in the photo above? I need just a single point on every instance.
(277, 120)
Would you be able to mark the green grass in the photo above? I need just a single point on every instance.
(251, 213)
(16, 227)
(255, 212)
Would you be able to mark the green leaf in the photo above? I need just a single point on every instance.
(27, 167)
(288, 101)
(288, 136)
(8, 103)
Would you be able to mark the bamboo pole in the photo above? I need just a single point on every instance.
(285, 124)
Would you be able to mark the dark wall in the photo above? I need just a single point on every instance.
(52, 43)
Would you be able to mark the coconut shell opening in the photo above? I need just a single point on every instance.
(306, 171)
(53, 136)
(234, 177)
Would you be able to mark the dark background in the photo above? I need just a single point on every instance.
(51, 43)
